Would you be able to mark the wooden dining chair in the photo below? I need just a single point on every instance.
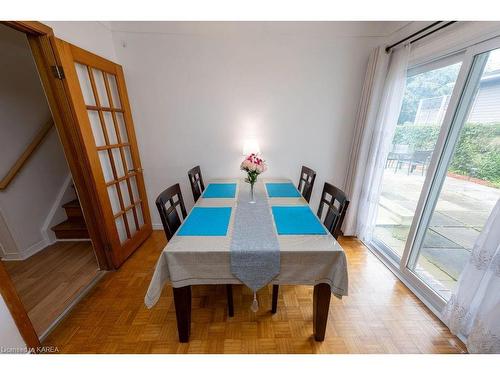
(336, 202)
(306, 182)
(170, 218)
(167, 203)
(196, 181)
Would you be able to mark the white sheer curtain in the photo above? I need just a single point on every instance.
(473, 311)
(376, 122)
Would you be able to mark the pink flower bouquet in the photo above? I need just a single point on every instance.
(254, 166)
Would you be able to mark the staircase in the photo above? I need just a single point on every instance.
(74, 227)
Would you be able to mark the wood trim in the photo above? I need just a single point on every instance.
(120, 179)
(134, 149)
(88, 58)
(17, 310)
(30, 27)
(114, 145)
(27, 153)
(7, 289)
(105, 109)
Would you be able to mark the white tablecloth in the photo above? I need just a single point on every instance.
(192, 260)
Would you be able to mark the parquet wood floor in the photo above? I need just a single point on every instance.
(48, 281)
(380, 315)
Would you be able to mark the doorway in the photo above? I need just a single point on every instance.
(442, 178)
(45, 245)
(59, 66)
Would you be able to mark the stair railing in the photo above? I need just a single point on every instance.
(21, 161)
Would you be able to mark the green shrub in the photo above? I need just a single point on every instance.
(419, 137)
(477, 153)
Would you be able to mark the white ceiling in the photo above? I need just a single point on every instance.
(339, 28)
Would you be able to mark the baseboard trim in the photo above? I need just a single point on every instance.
(30, 251)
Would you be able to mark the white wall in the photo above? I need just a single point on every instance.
(197, 91)
(90, 35)
(10, 338)
(28, 199)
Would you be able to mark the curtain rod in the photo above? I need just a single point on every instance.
(388, 48)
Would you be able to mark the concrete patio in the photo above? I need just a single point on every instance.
(462, 210)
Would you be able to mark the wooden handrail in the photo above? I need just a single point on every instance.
(26, 155)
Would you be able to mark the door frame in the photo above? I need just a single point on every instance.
(42, 42)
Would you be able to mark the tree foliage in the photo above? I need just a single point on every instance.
(430, 84)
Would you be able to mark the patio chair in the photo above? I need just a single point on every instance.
(421, 158)
(395, 154)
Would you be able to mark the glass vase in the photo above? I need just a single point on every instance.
(252, 196)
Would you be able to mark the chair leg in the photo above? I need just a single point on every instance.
(274, 306)
(230, 305)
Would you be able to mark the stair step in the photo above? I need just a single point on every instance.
(73, 203)
(71, 229)
(73, 210)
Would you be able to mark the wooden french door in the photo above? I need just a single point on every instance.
(97, 92)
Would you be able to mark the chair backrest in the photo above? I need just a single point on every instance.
(306, 182)
(167, 207)
(421, 156)
(196, 181)
(336, 202)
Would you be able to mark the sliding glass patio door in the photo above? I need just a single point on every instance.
(466, 185)
(442, 177)
(425, 102)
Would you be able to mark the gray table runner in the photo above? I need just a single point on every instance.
(255, 251)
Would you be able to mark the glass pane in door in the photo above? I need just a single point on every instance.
(425, 103)
(106, 117)
(471, 186)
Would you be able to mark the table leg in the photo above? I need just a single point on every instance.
(321, 305)
(182, 302)
(274, 306)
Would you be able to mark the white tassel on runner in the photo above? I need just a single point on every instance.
(255, 303)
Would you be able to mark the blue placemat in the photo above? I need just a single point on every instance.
(291, 220)
(220, 191)
(282, 190)
(206, 221)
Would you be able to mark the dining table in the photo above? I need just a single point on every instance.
(203, 250)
